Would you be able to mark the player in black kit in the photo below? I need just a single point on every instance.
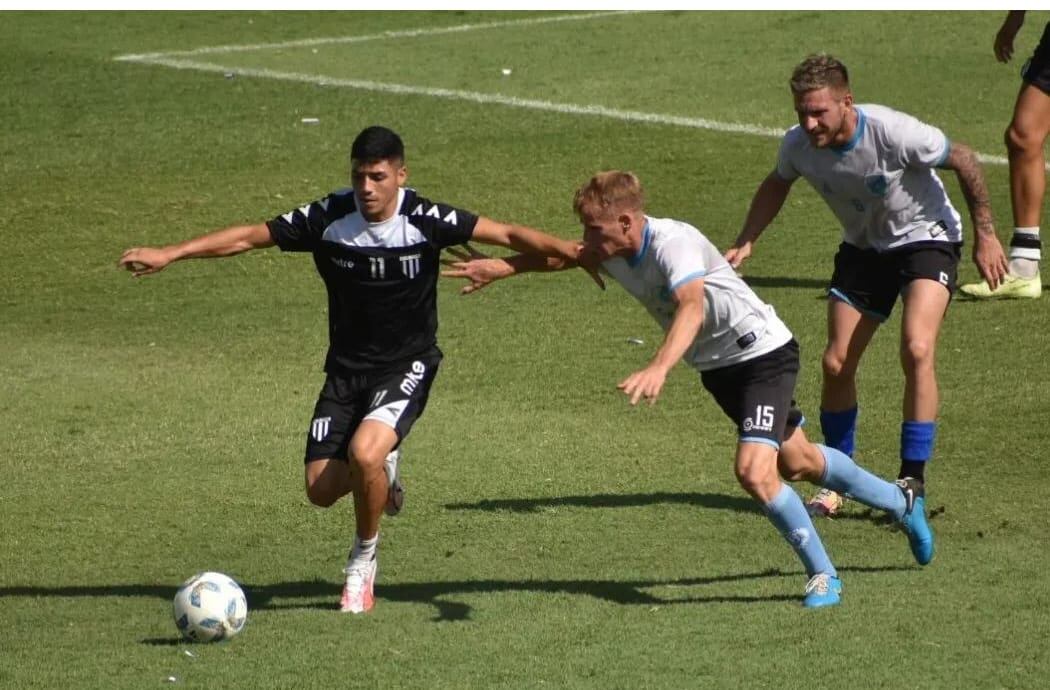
(377, 248)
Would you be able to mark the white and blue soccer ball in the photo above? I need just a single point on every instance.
(210, 607)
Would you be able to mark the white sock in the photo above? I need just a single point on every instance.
(364, 549)
(1025, 252)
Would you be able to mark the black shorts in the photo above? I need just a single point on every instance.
(394, 396)
(1037, 70)
(758, 394)
(871, 281)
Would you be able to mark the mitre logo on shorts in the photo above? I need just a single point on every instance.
(412, 377)
(319, 428)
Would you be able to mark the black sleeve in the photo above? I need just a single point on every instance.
(300, 230)
(441, 224)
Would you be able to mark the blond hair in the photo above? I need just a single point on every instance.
(819, 71)
(609, 192)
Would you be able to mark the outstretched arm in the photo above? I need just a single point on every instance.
(233, 240)
(688, 317)
(766, 204)
(987, 251)
(481, 270)
(525, 240)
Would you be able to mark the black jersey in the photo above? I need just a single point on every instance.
(381, 277)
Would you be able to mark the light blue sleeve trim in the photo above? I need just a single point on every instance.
(646, 239)
(688, 279)
(759, 439)
(862, 122)
(837, 294)
(947, 152)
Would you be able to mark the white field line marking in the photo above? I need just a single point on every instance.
(176, 61)
(406, 33)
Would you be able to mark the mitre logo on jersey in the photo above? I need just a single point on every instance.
(410, 265)
(319, 428)
(434, 212)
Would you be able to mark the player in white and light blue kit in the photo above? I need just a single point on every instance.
(901, 235)
(746, 356)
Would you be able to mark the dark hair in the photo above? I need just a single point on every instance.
(377, 143)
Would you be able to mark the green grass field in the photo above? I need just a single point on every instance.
(553, 536)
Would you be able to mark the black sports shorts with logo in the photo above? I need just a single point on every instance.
(395, 396)
(758, 394)
(870, 281)
(1037, 70)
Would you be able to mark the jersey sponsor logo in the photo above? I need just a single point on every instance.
(935, 229)
(877, 184)
(319, 428)
(343, 263)
(412, 378)
(410, 265)
(762, 420)
(747, 340)
(434, 212)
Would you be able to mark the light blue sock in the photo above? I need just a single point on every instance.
(789, 516)
(843, 475)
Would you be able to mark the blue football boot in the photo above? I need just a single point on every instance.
(822, 590)
(914, 523)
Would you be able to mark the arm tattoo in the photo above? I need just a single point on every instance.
(971, 180)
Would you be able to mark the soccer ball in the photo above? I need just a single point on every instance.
(209, 607)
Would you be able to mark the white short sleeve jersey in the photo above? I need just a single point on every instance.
(737, 326)
(881, 184)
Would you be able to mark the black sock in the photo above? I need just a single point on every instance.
(913, 469)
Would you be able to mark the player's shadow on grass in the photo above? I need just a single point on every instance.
(740, 504)
(445, 596)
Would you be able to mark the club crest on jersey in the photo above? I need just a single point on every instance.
(319, 428)
(434, 212)
(877, 184)
(410, 265)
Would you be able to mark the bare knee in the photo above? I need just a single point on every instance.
(917, 354)
(367, 457)
(836, 365)
(327, 481)
(800, 460)
(321, 495)
(758, 476)
(1020, 139)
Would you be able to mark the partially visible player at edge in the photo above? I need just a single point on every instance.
(1025, 138)
(875, 168)
(377, 247)
(746, 357)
